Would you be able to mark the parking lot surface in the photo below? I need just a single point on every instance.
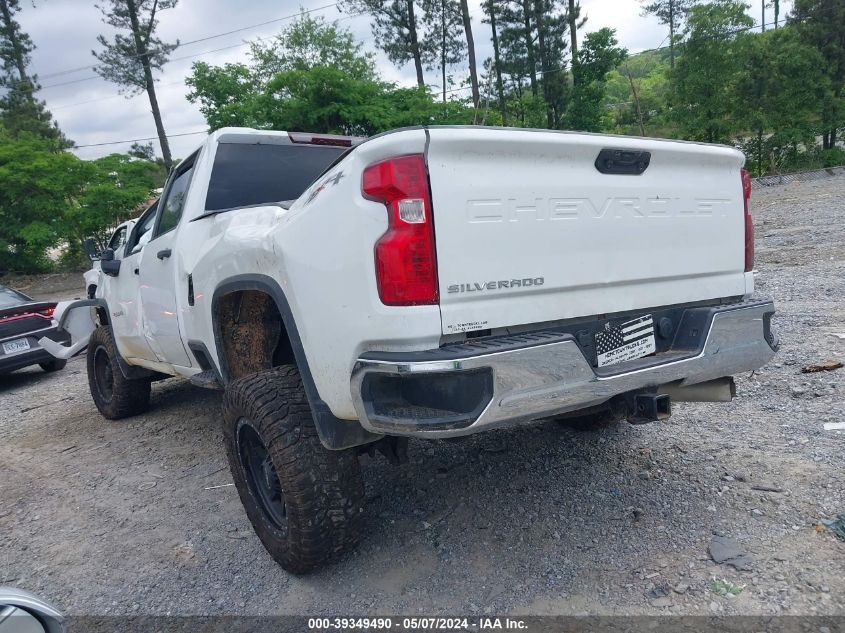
(140, 517)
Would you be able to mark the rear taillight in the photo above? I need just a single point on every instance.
(749, 222)
(406, 263)
(44, 313)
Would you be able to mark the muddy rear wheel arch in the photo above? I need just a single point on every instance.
(246, 306)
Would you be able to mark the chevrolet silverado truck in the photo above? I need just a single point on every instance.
(348, 294)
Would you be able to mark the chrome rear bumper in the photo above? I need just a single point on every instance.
(545, 377)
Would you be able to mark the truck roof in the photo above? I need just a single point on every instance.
(247, 135)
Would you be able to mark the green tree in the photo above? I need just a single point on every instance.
(670, 13)
(490, 8)
(20, 110)
(532, 43)
(318, 81)
(444, 22)
(15, 45)
(821, 23)
(518, 43)
(226, 95)
(322, 99)
(551, 26)
(780, 88)
(39, 184)
(573, 12)
(397, 30)
(703, 97)
(130, 58)
(648, 73)
(598, 56)
(470, 41)
(308, 42)
(53, 199)
(405, 107)
(143, 151)
(238, 94)
(117, 186)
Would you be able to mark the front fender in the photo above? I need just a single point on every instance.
(75, 318)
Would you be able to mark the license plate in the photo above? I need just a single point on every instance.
(625, 341)
(15, 346)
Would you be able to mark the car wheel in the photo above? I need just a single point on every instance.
(114, 395)
(92, 291)
(53, 365)
(304, 501)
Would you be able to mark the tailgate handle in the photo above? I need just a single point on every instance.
(628, 162)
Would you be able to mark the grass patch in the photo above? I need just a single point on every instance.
(722, 587)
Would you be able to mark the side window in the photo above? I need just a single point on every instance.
(118, 239)
(141, 233)
(145, 234)
(171, 208)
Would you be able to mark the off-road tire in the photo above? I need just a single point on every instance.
(125, 397)
(53, 365)
(322, 493)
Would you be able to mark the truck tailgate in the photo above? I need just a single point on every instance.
(529, 230)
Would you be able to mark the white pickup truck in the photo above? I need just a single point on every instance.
(429, 282)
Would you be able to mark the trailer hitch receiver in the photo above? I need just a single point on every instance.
(650, 407)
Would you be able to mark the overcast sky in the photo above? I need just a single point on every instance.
(91, 111)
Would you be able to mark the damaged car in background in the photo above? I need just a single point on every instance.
(24, 322)
(349, 294)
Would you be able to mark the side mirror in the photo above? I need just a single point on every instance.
(108, 264)
(90, 249)
(21, 611)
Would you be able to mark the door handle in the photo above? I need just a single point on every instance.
(137, 271)
(164, 254)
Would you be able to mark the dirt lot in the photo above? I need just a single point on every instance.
(140, 516)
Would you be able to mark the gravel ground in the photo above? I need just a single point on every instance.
(140, 517)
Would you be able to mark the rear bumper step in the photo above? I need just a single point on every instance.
(503, 381)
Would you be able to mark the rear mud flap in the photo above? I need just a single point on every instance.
(75, 318)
